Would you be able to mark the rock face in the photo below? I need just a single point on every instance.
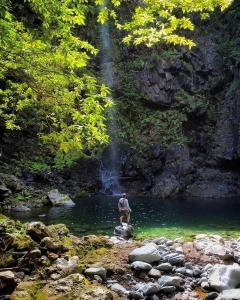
(58, 199)
(147, 253)
(124, 231)
(224, 277)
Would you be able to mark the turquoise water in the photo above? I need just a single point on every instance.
(150, 217)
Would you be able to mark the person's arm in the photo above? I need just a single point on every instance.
(119, 205)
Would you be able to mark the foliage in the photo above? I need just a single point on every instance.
(24, 196)
(154, 21)
(44, 81)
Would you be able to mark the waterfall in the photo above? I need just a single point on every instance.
(109, 171)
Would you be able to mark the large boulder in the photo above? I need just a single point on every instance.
(224, 277)
(125, 231)
(233, 294)
(58, 199)
(148, 253)
(213, 246)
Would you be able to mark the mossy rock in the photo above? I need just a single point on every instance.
(23, 242)
(59, 230)
(26, 290)
(6, 260)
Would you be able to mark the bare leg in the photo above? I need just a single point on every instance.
(121, 219)
(129, 217)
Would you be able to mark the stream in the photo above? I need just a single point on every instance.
(150, 217)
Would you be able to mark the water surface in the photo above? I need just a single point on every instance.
(150, 217)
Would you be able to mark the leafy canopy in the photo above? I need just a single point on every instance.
(44, 80)
(165, 21)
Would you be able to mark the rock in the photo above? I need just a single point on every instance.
(224, 277)
(68, 267)
(11, 182)
(96, 271)
(21, 208)
(119, 289)
(7, 282)
(125, 231)
(35, 253)
(148, 288)
(4, 191)
(147, 253)
(168, 289)
(233, 294)
(170, 281)
(135, 295)
(98, 278)
(154, 273)
(211, 296)
(166, 267)
(37, 231)
(166, 185)
(58, 199)
(174, 258)
(51, 244)
(59, 230)
(139, 265)
(213, 246)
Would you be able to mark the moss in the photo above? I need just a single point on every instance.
(59, 230)
(26, 290)
(6, 260)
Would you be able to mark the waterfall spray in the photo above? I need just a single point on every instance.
(109, 171)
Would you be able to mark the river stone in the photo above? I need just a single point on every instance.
(124, 231)
(168, 289)
(154, 273)
(147, 253)
(68, 267)
(58, 199)
(150, 288)
(119, 289)
(96, 271)
(170, 281)
(139, 265)
(166, 267)
(174, 258)
(224, 277)
(135, 295)
(233, 294)
(37, 231)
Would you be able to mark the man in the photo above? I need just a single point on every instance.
(124, 209)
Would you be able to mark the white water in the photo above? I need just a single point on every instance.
(109, 172)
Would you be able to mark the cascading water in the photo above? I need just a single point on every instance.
(109, 172)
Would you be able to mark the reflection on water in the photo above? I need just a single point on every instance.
(99, 215)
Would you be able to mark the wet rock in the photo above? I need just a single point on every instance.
(96, 271)
(154, 273)
(166, 267)
(58, 199)
(224, 277)
(139, 265)
(119, 289)
(211, 296)
(7, 282)
(233, 294)
(37, 231)
(125, 231)
(147, 253)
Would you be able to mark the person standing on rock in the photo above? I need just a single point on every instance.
(124, 209)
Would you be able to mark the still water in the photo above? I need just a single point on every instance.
(150, 217)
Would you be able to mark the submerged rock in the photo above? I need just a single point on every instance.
(58, 199)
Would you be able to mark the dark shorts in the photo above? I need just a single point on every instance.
(124, 213)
